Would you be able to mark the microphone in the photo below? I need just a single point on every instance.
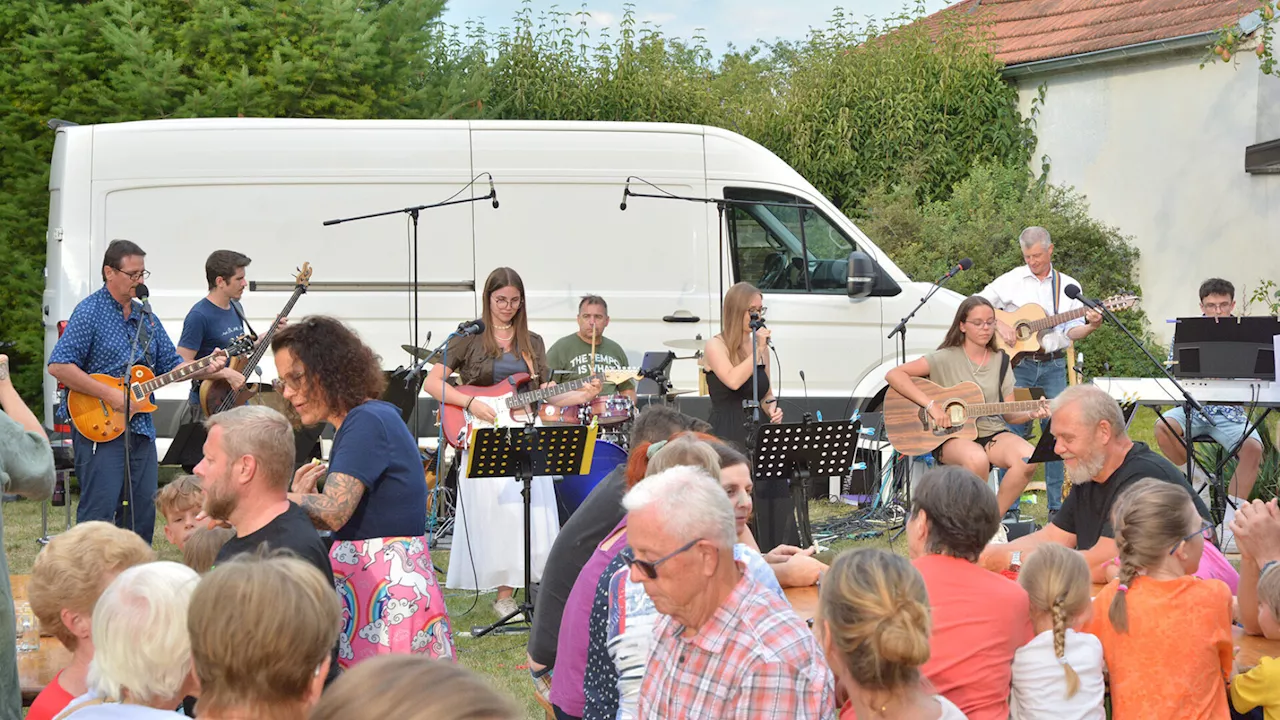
(142, 293)
(471, 327)
(757, 322)
(808, 416)
(625, 192)
(964, 264)
(1073, 291)
(493, 193)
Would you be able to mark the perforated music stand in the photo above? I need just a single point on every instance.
(522, 453)
(798, 452)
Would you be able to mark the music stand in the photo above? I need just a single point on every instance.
(522, 453)
(799, 452)
(1229, 347)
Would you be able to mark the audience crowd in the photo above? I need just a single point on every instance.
(657, 601)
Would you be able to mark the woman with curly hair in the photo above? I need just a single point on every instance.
(374, 498)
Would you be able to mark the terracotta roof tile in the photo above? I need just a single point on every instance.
(1029, 30)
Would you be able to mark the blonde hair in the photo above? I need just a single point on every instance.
(875, 609)
(1150, 518)
(736, 301)
(141, 650)
(685, 449)
(184, 492)
(262, 433)
(411, 687)
(71, 572)
(1269, 592)
(201, 549)
(260, 630)
(1057, 582)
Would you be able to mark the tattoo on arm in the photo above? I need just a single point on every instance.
(332, 509)
(4, 370)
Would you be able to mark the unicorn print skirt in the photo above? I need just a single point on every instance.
(391, 602)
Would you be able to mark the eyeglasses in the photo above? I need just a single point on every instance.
(1217, 307)
(135, 276)
(981, 324)
(650, 569)
(507, 302)
(758, 310)
(293, 382)
(1204, 525)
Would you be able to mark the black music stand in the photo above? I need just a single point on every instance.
(1229, 347)
(522, 453)
(799, 452)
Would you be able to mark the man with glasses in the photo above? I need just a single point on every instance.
(1217, 300)
(98, 339)
(725, 646)
(1041, 283)
(571, 358)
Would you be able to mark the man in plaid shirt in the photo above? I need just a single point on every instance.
(726, 647)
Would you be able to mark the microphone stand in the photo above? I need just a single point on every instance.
(413, 213)
(126, 490)
(752, 407)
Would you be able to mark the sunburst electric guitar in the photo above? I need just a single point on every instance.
(912, 432)
(1030, 322)
(97, 421)
(512, 408)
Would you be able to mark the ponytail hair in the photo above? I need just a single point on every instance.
(875, 609)
(1150, 519)
(1057, 582)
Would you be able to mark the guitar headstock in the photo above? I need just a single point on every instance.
(1121, 302)
(619, 375)
(242, 345)
(303, 278)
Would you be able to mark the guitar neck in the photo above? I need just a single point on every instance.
(1056, 320)
(1000, 408)
(265, 341)
(175, 375)
(528, 398)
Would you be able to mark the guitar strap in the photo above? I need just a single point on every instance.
(1057, 290)
(1004, 372)
(244, 321)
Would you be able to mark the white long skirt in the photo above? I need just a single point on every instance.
(487, 550)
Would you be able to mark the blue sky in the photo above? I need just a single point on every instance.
(722, 21)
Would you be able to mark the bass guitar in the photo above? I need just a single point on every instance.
(216, 394)
(99, 422)
(912, 431)
(511, 407)
(1030, 321)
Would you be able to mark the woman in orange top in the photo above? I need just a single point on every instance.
(1166, 636)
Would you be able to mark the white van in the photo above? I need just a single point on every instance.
(183, 188)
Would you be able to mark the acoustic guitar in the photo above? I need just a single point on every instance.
(912, 432)
(97, 421)
(512, 408)
(216, 394)
(1030, 321)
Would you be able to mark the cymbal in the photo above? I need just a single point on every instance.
(674, 392)
(418, 353)
(683, 344)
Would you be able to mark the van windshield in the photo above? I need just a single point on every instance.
(787, 247)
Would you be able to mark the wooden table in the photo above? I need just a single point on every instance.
(36, 669)
(1251, 648)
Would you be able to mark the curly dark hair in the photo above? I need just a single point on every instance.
(344, 370)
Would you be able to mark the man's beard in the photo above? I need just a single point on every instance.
(219, 506)
(1088, 467)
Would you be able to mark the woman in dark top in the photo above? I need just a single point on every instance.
(488, 548)
(375, 494)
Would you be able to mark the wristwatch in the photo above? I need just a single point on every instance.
(1015, 560)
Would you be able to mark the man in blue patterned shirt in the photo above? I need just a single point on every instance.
(98, 339)
(1217, 299)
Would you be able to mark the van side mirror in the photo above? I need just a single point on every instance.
(862, 274)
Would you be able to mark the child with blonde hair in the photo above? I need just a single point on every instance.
(1166, 636)
(1259, 599)
(201, 549)
(1059, 674)
(179, 503)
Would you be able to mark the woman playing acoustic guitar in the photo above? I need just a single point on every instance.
(488, 547)
(968, 353)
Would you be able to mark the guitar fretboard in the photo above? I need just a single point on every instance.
(1056, 320)
(181, 373)
(533, 396)
(263, 344)
(1001, 408)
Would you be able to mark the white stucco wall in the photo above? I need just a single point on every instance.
(1157, 146)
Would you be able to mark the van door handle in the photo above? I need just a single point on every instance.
(681, 316)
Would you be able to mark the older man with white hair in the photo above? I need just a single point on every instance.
(1104, 462)
(727, 647)
(141, 665)
(1041, 283)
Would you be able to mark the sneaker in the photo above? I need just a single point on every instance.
(505, 606)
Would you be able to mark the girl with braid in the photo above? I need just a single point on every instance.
(1166, 635)
(1059, 673)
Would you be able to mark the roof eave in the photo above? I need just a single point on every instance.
(1098, 57)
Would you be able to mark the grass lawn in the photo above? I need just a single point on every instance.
(501, 658)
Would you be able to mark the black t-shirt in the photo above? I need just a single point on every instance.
(1087, 510)
(598, 514)
(290, 530)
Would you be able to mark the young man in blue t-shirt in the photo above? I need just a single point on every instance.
(215, 321)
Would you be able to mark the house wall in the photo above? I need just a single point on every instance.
(1157, 146)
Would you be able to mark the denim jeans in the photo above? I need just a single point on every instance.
(100, 470)
(1052, 376)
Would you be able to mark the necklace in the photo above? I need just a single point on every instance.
(502, 327)
(986, 352)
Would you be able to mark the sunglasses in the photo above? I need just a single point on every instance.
(650, 569)
(1204, 525)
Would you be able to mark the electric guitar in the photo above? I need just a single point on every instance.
(216, 394)
(512, 408)
(97, 421)
(912, 432)
(1030, 320)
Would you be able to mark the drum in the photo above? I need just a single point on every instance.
(552, 415)
(611, 409)
(573, 489)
